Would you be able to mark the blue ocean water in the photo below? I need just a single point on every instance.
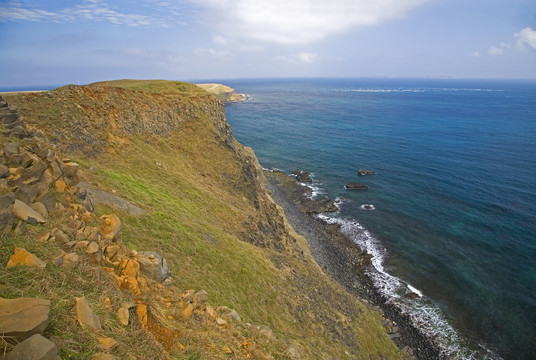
(454, 190)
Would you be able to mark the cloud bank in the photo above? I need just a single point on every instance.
(526, 36)
(300, 21)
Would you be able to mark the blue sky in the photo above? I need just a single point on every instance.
(61, 42)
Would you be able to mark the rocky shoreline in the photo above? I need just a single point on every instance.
(345, 262)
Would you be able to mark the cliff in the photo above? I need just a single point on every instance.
(205, 218)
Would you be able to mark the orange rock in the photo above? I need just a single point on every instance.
(180, 346)
(227, 350)
(107, 343)
(21, 257)
(110, 228)
(129, 267)
(60, 185)
(187, 311)
(141, 311)
(131, 284)
(107, 302)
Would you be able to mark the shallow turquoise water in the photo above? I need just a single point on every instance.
(454, 189)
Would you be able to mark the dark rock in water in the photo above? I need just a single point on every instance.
(356, 186)
(318, 206)
(365, 172)
(302, 176)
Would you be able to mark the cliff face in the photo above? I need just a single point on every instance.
(167, 148)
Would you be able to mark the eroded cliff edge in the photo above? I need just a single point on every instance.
(167, 148)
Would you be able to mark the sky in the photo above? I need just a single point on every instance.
(53, 42)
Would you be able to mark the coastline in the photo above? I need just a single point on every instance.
(344, 262)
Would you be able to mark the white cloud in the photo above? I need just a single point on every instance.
(304, 57)
(475, 54)
(495, 51)
(300, 21)
(526, 36)
(89, 10)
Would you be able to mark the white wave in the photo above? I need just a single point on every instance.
(423, 313)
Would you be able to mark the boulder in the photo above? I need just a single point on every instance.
(200, 298)
(23, 317)
(356, 186)
(154, 266)
(35, 347)
(85, 316)
(71, 169)
(21, 257)
(26, 213)
(107, 343)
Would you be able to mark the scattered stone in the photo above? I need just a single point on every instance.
(85, 316)
(4, 171)
(26, 213)
(59, 236)
(11, 148)
(21, 257)
(123, 316)
(154, 266)
(221, 322)
(129, 267)
(356, 186)
(23, 317)
(92, 248)
(40, 208)
(107, 343)
(35, 347)
(227, 350)
(70, 260)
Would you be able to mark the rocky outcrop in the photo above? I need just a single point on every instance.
(364, 172)
(302, 176)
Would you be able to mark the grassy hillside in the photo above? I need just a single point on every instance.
(206, 211)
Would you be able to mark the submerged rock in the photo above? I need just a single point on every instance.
(365, 172)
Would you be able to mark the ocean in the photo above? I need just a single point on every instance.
(454, 191)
